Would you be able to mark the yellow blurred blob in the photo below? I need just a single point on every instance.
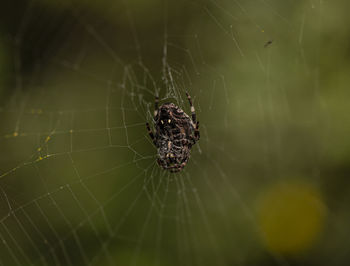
(291, 216)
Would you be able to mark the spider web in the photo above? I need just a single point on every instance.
(79, 182)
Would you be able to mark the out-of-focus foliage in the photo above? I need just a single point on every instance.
(269, 182)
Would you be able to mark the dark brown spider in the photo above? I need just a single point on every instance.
(175, 134)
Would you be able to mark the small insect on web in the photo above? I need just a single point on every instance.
(175, 134)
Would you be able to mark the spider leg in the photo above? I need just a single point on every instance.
(194, 119)
(196, 131)
(156, 101)
(193, 111)
(151, 133)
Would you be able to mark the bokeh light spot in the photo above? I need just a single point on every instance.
(291, 216)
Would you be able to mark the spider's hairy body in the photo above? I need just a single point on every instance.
(175, 134)
(173, 139)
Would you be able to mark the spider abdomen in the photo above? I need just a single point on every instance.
(175, 134)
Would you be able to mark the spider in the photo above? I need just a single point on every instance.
(175, 134)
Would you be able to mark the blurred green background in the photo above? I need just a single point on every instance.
(267, 184)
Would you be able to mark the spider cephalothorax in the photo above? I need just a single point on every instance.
(175, 134)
